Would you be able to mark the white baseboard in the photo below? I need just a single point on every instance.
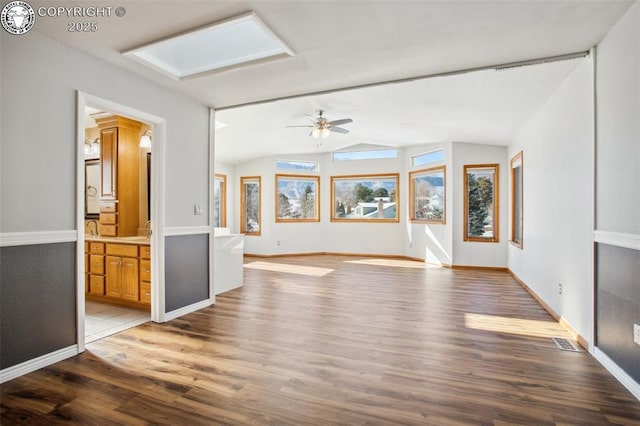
(187, 309)
(26, 367)
(622, 376)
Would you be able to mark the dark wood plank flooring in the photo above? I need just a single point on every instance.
(324, 340)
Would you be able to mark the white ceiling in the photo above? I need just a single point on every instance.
(348, 43)
(483, 107)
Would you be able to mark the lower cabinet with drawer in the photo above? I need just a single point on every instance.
(120, 273)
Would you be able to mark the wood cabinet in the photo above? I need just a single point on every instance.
(96, 268)
(122, 277)
(145, 274)
(119, 171)
(119, 273)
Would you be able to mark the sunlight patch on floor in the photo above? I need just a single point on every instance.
(312, 271)
(396, 263)
(523, 327)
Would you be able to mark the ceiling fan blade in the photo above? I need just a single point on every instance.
(338, 130)
(340, 122)
(305, 125)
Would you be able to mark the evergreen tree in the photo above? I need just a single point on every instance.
(364, 194)
(477, 206)
(381, 193)
(307, 202)
(284, 206)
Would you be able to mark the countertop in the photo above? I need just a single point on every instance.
(137, 239)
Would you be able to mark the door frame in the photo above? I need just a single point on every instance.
(157, 214)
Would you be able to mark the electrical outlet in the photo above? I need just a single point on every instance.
(278, 243)
(197, 210)
(559, 288)
(636, 333)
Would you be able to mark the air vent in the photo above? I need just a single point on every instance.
(565, 344)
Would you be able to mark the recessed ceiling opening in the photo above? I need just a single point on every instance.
(237, 42)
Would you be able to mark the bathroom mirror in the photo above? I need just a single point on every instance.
(92, 189)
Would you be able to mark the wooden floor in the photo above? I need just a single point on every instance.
(323, 340)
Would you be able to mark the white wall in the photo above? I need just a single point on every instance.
(40, 77)
(325, 236)
(618, 155)
(432, 242)
(557, 203)
(471, 253)
(440, 244)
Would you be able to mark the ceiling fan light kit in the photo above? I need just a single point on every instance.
(322, 128)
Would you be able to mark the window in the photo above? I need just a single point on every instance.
(427, 158)
(481, 203)
(311, 166)
(375, 154)
(427, 195)
(250, 205)
(297, 198)
(516, 200)
(365, 198)
(220, 201)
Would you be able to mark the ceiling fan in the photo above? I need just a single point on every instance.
(321, 127)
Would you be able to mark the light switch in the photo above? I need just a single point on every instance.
(197, 210)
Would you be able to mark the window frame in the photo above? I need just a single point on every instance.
(412, 196)
(243, 207)
(517, 162)
(495, 208)
(363, 178)
(300, 178)
(222, 215)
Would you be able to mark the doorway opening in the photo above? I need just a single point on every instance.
(120, 283)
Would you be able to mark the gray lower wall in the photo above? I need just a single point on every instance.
(186, 270)
(37, 301)
(618, 305)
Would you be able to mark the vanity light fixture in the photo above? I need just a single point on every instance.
(92, 146)
(145, 140)
(222, 46)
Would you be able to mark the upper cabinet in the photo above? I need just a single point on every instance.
(120, 169)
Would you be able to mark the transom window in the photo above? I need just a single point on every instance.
(375, 154)
(427, 158)
(310, 166)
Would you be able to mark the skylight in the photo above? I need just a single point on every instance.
(230, 44)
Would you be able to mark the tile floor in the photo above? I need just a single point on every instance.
(102, 320)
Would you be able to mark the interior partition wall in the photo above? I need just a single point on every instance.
(617, 201)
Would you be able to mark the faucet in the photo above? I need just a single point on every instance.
(92, 231)
(147, 226)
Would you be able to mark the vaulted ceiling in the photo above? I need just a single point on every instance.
(351, 43)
